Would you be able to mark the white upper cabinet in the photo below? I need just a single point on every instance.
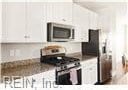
(59, 12)
(14, 22)
(93, 20)
(83, 20)
(27, 21)
(24, 22)
(81, 23)
(36, 22)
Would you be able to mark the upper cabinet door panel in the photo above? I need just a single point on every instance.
(24, 22)
(77, 22)
(66, 12)
(60, 12)
(14, 21)
(81, 22)
(36, 22)
(93, 20)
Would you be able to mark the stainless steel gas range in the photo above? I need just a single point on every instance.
(68, 69)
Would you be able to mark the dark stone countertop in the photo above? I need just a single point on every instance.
(27, 70)
(36, 67)
(82, 57)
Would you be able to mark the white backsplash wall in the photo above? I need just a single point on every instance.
(14, 52)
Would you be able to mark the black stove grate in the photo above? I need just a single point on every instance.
(59, 62)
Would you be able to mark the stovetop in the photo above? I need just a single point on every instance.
(58, 61)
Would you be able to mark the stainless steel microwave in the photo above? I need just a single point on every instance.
(60, 32)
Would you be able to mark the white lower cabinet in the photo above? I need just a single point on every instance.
(49, 75)
(45, 77)
(89, 74)
(89, 71)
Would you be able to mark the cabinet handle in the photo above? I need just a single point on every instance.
(90, 69)
(82, 38)
(28, 36)
(25, 36)
(63, 20)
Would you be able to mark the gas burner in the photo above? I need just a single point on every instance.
(60, 62)
(58, 59)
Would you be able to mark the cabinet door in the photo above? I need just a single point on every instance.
(81, 23)
(37, 77)
(76, 20)
(93, 20)
(36, 22)
(85, 75)
(85, 26)
(93, 74)
(49, 75)
(66, 13)
(89, 75)
(42, 78)
(14, 21)
(59, 12)
(89, 71)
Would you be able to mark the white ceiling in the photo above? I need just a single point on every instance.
(95, 6)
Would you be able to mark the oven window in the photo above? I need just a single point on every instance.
(63, 33)
(65, 78)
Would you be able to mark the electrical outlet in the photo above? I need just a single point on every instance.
(12, 53)
(17, 52)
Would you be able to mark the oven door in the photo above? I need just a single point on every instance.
(63, 77)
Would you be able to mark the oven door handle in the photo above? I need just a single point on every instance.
(67, 71)
(76, 68)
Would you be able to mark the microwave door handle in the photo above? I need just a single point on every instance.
(71, 36)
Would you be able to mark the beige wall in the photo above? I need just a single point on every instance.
(28, 51)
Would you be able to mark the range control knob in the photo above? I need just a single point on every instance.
(61, 67)
(65, 67)
(77, 63)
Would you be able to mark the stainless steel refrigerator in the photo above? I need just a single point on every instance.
(98, 47)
